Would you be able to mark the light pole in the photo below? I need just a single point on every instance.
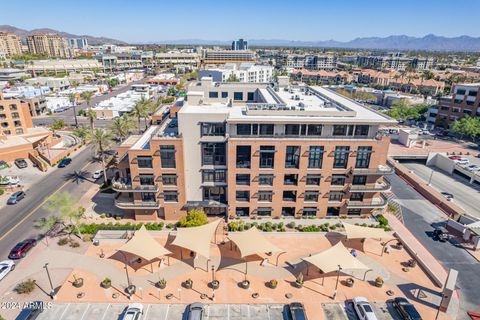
(213, 273)
(52, 290)
(336, 284)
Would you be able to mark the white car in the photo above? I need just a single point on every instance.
(363, 309)
(133, 312)
(462, 161)
(97, 174)
(473, 168)
(5, 267)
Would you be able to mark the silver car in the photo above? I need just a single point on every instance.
(363, 309)
(196, 311)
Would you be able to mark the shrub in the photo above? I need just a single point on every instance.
(25, 287)
(382, 220)
(333, 227)
(1, 191)
(62, 241)
(74, 244)
(311, 228)
(291, 225)
(170, 226)
(194, 218)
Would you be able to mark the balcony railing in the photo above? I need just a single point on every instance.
(316, 136)
(377, 187)
(381, 170)
(123, 186)
(124, 204)
(380, 202)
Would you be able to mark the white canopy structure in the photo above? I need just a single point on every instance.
(197, 239)
(334, 258)
(143, 245)
(359, 232)
(252, 242)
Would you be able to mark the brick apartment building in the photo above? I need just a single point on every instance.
(250, 149)
(464, 101)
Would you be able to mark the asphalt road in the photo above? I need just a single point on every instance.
(466, 195)
(17, 222)
(420, 217)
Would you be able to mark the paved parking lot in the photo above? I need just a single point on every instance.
(345, 311)
(87, 311)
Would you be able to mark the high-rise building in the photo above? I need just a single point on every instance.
(240, 44)
(465, 101)
(78, 43)
(10, 44)
(15, 116)
(51, 45)
(250, 149)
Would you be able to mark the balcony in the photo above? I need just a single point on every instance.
(377, 187)
(125, 204)
(379, 202)
(380, 171)
(122, 185)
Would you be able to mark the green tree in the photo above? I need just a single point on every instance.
(81, 132)
(72, 97)
(468, 126)
(233, 78)
(101, 140)
(122, 126)
(194, 218)
(91, 116)
(87, 96)
(58, 124)
(65, 207)
(140, 110)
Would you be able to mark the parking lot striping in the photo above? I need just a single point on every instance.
(85, 312)
(64, 311)
(145, 316)
(168, 309)
(106, 311)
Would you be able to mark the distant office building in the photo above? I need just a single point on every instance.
(245, 72)
(311, 62)
(240, 44)
(395, 62)
(227, 56)
(51, 45)
(465, 101)
(10, 44)
(78, 43)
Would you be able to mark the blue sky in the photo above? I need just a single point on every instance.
(149, 20)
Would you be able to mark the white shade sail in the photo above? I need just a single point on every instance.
(143, 245)
(359, 232)
(251, 242)
(197, 239)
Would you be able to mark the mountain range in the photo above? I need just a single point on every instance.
(22, 33)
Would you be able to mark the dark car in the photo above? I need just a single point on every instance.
(296, 311)
(32, 311)
(15, 197)
(447, 195)
(64, 162)
(21, 249)
(195, 311)
(21, 163)
(406, 309)
(173, 123)
(441, 234)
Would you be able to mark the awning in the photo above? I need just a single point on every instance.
(359, 232)
(330, 259)
(197, 239)
(143, 245)
(205, 204)
(251, 242)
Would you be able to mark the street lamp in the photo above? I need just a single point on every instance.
(336, 285)
(52, 290)
(213, 273)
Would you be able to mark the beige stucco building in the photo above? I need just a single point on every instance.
(10, 44)
(51, 45)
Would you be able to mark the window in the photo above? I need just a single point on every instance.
(354, 212)
(314, 130)
(444, 108)
(333, 211)
(243, 156)
(342, 130)
(218, 194)
(359, 180)
(15, 115)
(363, 157)
(309, 211)
(466, 111)
(213, 94)
(458, 101)
(214, 176)
(289, 195)
(470, 103)
(170, 196)
(242, 211)
(144, 162)
(243, 179)
(338, 180)
(243, 196)
(264, 211)
(290, 179)
(265, 179)
(313, 180)
(292, 129)
(356, 196)
(292, 158)
(213, 153)
(250, 96)
(13, 107)
(238, 96)
(311, 196)
(472, 93)
(335, 196)
(147, 179)
(148, 196)
(213, 129)
(315, 157)
(267, 156)
(340, 159)
(460, 91)
(361, 130)
(288, 211)
(265, 196)
(167, 156)
(19, 131)
(169, 179)
(224, 94)
(244, 129)
(266, 129)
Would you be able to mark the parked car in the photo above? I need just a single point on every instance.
(3, 164)
(5, 267)
(15, 197)
(196, 311)
(441, 234)
(173, 123)
(296, 311)
(9, 180)
(133, 312)
(472, 168)
(363, 309)
(462, 161)
(97, 174)
(32, 311)
(21, 163)
(447, 195)
(406, 309)
(454, 157)
(64, 162)
(21, 249)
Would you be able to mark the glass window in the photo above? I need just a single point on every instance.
(13, 107)
(243, 195)
(213, 129)
(242, 211)
(311, 196)
(144, 162)
(333, 211)
(218, 194)
(264, 211)
(340, 159)
(267, 156)
(314, 130)
(472, 93)
(148, 196)
(359, 180)
(338, 180)
(213, 153)
(266, 129)
(265, 196)
(288, 211)
(170, 196)
(363, 157)
(213, 94)
(224, 94)
(147, 179)
(342, 130)
(294, 129)
(265, 179)
(336, 196)
(243, 179)
(167, 156)
(361, 130)
(292, 158)
(313, 180)
(214, 176)
(315, 157)
(238, 96)
(243, 156)
(354, 212)
(290, 179)
(461, 91)
(250, 96)
(169, 179)
(289, 195)
(356, 196)
(309, 211)
(244, 129)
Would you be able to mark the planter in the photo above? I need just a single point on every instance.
(272, 284)
(131, 289)
(169, 296)
(378, 284)
(215, 284)
(80, 295)
(406, 269)
(161, 284)
(399, 245)
(255, 295)
(298, 284)
(106, 284)
(245, 284)
(349, 282)
(188, 284)
(412, 263)
(78, 283)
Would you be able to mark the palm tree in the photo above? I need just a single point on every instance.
(122, 126)
(72, 97)
(81, 132)
(91, 115)
(101, 140)
(87, 96)
(58, 124)
(140, 111)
